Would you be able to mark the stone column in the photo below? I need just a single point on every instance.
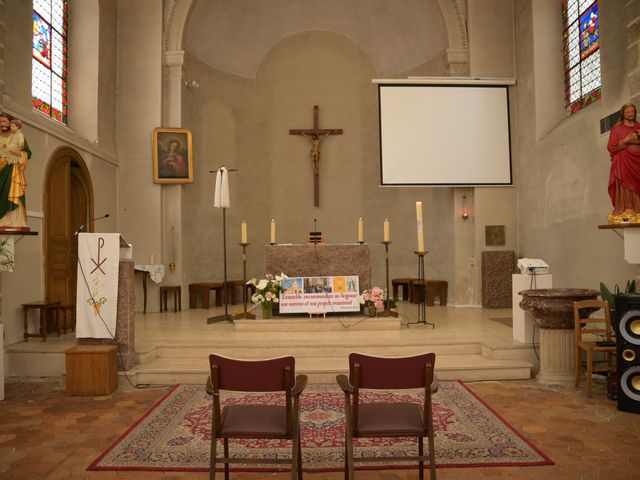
(173, 78)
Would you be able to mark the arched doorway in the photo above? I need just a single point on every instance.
(68, 204)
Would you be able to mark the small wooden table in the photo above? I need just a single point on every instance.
(45, 307)
(177, 297)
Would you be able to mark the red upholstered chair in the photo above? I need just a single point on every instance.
(255, 420)
(399, 419)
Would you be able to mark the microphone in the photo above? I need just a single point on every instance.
(315, 229)
(83, 226)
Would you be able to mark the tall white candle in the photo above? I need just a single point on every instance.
(386, 230)
(420, 226)
(243, 236)
(360, 230)
(273, 230)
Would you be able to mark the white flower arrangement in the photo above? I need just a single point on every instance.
(267, 289)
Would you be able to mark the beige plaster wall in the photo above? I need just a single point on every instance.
(139, 110)
(45, 136)
(491, 55)
(563, 163)
(244, 124)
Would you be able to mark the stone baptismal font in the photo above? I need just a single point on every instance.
(552, 309)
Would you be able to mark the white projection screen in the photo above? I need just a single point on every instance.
(444, 134)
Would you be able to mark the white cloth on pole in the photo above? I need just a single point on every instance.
(97, 290)
(221, 193)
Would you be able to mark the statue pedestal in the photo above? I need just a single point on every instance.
(557, 356)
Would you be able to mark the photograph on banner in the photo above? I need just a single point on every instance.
(320, 294)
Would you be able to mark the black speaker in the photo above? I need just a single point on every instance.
(627, 327)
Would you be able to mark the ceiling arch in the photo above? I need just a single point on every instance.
(233, 36)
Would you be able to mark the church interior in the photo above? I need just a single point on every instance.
(237, 84)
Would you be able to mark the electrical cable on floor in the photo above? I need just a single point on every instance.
(345, 326)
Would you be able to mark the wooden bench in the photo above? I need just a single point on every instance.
(202, 290)
(177, 297)
(433, 287)
(405, 283)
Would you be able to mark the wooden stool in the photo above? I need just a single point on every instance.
(68, 317)
(202, 290)
(44, 307)
(406, 287)
(432, 287)
(177, 297)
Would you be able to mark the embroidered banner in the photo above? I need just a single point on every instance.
(97, 290)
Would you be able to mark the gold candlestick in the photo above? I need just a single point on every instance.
(387, 312)
(244, 313)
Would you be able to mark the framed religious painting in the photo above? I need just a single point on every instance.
(172, 155)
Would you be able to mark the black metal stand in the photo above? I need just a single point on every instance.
(387, 312)
(422, 304)
(225, 317)
(244, 313)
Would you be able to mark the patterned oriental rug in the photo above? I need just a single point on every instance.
(175, 434)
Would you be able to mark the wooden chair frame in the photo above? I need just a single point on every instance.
(269, 375)
(368, 372)
(588, 330)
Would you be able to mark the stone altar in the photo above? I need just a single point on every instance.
(320, 260)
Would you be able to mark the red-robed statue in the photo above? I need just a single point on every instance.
(624, 180)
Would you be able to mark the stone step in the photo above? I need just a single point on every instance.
(466, 367)
(308, 348)
(318, 324)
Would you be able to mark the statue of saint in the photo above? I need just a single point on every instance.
(624, 179)
(14, 157)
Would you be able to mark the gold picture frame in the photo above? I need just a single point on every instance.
(172, 155)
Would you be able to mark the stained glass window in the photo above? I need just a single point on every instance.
(581, 44)
(49, 62)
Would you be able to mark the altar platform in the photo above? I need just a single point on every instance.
(471, 344)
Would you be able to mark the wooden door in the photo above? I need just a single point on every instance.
(68, 205)
(58, 229)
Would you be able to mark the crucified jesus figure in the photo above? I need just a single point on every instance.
(315, 149)
(316, 134)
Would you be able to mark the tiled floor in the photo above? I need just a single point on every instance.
(46, 434)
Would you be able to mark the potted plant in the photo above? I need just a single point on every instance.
(267, 292)
(373, 300)
(609, 297)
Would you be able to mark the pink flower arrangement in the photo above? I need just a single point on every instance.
(376, 297)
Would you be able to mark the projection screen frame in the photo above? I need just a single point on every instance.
(451, 83)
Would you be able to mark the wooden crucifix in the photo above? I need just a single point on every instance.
(316, 134)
